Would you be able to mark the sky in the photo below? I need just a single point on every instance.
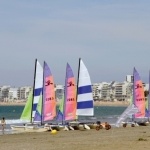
(110, 36)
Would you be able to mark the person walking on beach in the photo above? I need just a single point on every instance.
(3, 123)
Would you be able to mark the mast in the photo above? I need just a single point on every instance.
(65, 95)
(133, 94)
(42, 93)
(33, 87)
(78, 80)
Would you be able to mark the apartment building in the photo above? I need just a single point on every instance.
(23, 92)
(4, 92)
(13, 94)
(59, 91)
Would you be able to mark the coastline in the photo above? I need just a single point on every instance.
(96, 103)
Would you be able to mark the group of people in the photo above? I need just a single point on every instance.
(3, 123)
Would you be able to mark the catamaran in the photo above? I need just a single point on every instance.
(137, 108)
(41, 105)
(85, 102)
(67, 109)
(139, 99)
(47, 107)
(33, 99)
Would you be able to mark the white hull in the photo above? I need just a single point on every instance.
(92, 125)
(83, 127)
(17, 128)
(28, 128)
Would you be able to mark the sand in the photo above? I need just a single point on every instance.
(135, 138)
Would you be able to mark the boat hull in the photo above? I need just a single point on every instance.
(28, 128)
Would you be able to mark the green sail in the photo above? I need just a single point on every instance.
(26, 114)
(61, 106)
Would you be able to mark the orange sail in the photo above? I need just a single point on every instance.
(70, 95)
(49, 100)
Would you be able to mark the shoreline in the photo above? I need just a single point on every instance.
(96, 103)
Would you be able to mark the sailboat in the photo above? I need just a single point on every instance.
(67, 109)
(32, 109)
(85, 102)
(136, 109)
(47, 107)
(138, 96)
(48, 110)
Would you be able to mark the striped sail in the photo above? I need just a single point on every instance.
(70, 95)
(49, 99)
(84, 90)
(138, 95)
(37, 87)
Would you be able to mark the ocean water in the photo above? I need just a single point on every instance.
(101, 113)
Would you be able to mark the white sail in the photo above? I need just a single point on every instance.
(37, 86)
(130, 110)
(84, 95)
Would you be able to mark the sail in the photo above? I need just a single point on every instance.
(37, 86)
(26, 114)
(70, 95)
(61, 110)
(138, 95)
(49, 99)
(38, 113)
(129, 111)
(148, 101)
(84, 90)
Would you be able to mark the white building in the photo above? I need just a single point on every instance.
(129, 78)
(4, 92)
(59, 91)
(13, 94)
(23, 92)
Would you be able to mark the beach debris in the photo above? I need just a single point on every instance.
(141, 139)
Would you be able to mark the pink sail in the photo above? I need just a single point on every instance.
(49, 100)
(138, 94)
(70, 95)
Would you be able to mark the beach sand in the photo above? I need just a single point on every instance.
(135, 138)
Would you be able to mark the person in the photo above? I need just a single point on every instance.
(3, 123)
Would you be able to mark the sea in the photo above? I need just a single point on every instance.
(108, 114)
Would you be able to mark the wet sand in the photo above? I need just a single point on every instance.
(135, 138)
